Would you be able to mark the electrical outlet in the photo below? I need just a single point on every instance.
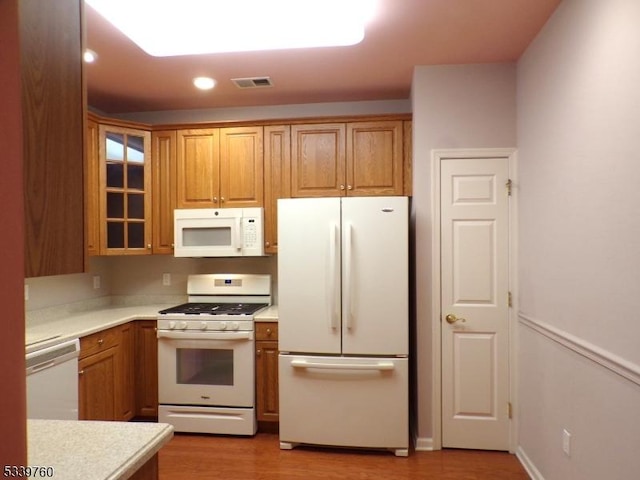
(166, 279)
(566, 442)
(96, 282)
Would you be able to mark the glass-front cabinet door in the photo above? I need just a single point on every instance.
(125, 179)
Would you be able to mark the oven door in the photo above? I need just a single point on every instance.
(206, 368)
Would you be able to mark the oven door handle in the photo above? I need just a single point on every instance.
(189, 335)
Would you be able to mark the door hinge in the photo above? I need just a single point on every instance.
(508, 185)
(510, 411)
(509, 300)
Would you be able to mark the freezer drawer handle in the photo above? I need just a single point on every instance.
(343, 366)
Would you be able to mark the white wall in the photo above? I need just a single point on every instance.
(461, 106)
(578, 137)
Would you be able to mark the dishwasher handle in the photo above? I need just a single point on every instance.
(51, 356)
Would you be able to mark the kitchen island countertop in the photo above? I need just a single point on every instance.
(92, 449)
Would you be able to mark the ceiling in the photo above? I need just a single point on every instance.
(403, 34)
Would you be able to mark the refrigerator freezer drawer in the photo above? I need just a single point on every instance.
(344, 401)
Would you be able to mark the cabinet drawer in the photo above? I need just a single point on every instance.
(99, 341)
(266, 331)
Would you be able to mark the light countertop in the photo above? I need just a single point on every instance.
(81, 324)
(44, 333)
(81, 450)
(268, 315)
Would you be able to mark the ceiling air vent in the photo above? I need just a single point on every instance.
(252, 82)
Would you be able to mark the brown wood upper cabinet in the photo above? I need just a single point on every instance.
(125, 191)
(277, 181)
(164, 170)
(220, 167)
(53, 131)
(355, 159)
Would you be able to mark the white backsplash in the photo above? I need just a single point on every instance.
(129, 280)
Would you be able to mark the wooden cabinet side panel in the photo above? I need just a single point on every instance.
(374, 158)
(53, 129)
(241, 167)
(198, 172)
(125, 380)
(408, 157)
(146, 369)
(317, 160)
(163, 157)
(277, 179)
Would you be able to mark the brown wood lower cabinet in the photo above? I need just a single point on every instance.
(100, 372)
(146, 369)
(267, 373)
(118, 373)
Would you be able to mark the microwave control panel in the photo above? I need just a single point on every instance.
(250, 233)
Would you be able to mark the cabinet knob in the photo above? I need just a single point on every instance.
(349, 187)
(100, 341)
(269, 332)
(215, 199)
(81, 372)
(222, 199)
(341, 187)
(267, 244)
(258, 352)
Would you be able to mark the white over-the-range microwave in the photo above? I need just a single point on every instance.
(218, 232)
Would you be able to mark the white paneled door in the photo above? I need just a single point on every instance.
(474, 226)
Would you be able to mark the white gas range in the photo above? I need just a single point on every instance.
(206, 362)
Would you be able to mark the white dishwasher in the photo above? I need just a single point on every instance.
(52, 382)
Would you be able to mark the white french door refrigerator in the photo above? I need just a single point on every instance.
(343, 322)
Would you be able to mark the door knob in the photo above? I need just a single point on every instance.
(453, 319)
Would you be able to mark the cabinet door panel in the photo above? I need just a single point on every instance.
(277, 179)
(374, 158)
(146, 370)
(92, 192)
(267, 381)
(97, 397)
(241, 167)
(198, 168)
(53, 136)
(163, 147)
(125, 380)
(125, 190)
(317, 160)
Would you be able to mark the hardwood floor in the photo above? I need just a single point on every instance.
(195, 457)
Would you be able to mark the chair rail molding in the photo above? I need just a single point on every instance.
(602, 357)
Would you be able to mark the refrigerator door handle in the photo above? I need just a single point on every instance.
(380, 365)
(333, 281)
(348, 277)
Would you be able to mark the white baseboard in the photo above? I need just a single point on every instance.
(424, 444)
(528, 465)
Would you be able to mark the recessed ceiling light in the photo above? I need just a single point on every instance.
(204, 83)
(203, 26)
(89, 56)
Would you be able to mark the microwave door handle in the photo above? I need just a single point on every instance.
(237, 243)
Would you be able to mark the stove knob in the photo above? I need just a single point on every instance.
(172, 325)
(183, 325)
(223, 325)
(203, 325)
(234, 326)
